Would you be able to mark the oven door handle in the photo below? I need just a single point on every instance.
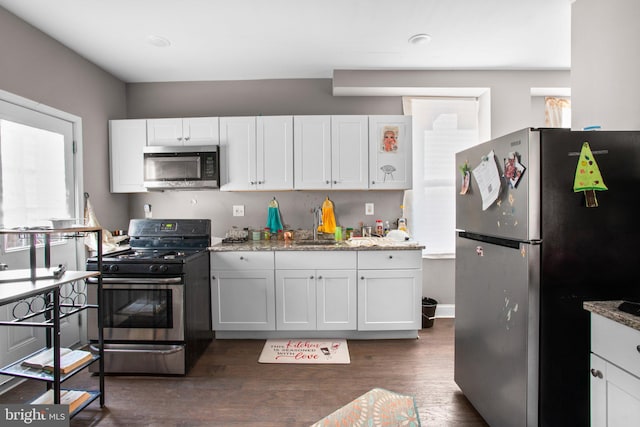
(136, 280)
(172, 349)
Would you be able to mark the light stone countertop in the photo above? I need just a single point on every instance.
(609, 309)
(280, 245)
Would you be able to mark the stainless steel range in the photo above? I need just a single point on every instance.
(156, 298)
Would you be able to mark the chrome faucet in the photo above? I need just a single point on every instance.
(317, 218)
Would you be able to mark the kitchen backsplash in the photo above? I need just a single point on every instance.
(295, 207)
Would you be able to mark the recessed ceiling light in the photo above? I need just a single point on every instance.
(420, 39)
(158, 41)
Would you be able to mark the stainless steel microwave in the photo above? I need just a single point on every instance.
(181, 167)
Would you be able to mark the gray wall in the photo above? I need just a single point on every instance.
(34, 66)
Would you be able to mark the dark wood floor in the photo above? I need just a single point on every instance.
(228, 387)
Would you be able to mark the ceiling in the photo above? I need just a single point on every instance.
(288, 39)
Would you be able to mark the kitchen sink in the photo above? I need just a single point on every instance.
(314, 242)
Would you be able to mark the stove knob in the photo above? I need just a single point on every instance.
(113, 268)
(164, 268)
(105, 267)
(153, 268)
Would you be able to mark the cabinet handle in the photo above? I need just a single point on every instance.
(319, 277)
(638, 348)
(179, 138)
(311, 277)
(260, 182)
(361, 277)
(596, 373)
(187, 138)
(252, 182)
(213, 277)
(241, 258)
(373, 182)
(390, 256)
(327, 182)
(335, 182)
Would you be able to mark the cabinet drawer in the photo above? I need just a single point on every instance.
(297, 260)
(616, 342)
(241, 260)
(384, 260)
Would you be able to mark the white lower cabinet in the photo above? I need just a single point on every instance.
(310, 296)
(242, 291)
(389, 290)
(288, 291)
(615, 373)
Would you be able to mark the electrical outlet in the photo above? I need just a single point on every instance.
(368, 208)
(238, 210)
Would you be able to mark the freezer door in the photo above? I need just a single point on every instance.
(496, 330)
(515, 214)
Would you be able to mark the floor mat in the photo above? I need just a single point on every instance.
(309, 351)
(375, 408)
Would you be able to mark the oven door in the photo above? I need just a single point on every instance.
(139, 309)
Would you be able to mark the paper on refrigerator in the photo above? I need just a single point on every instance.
(488, 179)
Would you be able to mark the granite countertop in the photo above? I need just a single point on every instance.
(280, 245)
(609, 309)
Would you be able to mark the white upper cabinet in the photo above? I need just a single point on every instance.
(257, 153)
(390, 153)
(183, 131)
(237, 145)
(274, 153)
(349, 152)
(312, 152)
(127, 139)
(331, 152)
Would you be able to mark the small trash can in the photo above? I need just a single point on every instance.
(428, 312)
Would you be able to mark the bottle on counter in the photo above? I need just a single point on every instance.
(387, 227)
(267, 233)
(379, 227)
(349, 233)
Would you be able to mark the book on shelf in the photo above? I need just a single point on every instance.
(44, 358)
(70, 361)
(73, 398)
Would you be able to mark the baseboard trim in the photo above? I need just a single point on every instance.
(445, 310)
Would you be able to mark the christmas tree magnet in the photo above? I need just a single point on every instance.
(588, 178)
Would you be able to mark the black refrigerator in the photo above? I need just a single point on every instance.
(545, 220)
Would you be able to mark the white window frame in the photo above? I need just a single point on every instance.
(415, 203)
(15, 105)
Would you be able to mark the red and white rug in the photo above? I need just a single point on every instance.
(305, 351)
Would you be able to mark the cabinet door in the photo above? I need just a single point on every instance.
(336, 300)
(312, 152)
(390, 157)
(274, 153)
(243, 300)
(389, 299)
(349, 152)
(295, 300)
(127, 139)
(201, 131)
(615, 395)
(238, 153)
(165, 132)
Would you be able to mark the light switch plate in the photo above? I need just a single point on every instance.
(238, 210)
(368, 208)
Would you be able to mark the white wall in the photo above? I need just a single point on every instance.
(605, 64)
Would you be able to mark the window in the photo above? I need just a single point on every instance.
(36, 169)
(441, 127)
